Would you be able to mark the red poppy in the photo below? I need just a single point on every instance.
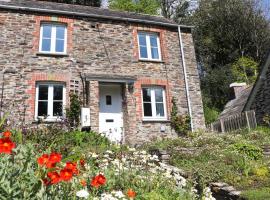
(94, 183)
(72, 166)
(82, 162)
(43, 160)
(131, 193)
(46, 181)
(55, 157)
(50, 165)
(6, 145)
(7, 134)
(98, 181)
(54, 177)
(66, 174)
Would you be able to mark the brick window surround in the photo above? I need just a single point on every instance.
(151, 82)
(44, 77)
(161, 32)
(52, 19)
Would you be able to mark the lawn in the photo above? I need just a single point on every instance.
(235, 158)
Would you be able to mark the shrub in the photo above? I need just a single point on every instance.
(73, 112)
(251, 151)
(180, 123)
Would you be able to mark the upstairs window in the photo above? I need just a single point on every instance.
(53, 38)
(149, 46)
(154, 104)
(50, 100)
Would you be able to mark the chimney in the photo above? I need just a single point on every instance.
(238, 88)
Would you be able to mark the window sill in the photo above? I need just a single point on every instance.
(149, 60)
(48, 121)
(156, 120)
(52, 54)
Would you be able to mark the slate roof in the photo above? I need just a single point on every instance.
(236, 105)
(78, 10)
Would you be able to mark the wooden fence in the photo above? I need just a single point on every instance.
(235, 122)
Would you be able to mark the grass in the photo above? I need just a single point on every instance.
(235, 158)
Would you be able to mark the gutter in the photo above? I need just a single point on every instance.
(61, 12)
(186, 78)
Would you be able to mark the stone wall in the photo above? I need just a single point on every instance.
(96, 47)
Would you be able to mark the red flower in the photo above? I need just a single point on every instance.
(7, 134)
(72, 166)
(66, 174)
(55, 157)
(94, 183)
(50, 165)
(54, 177)
(46, 181)
(131, 194)
(43, 160)
(6, 145)
(82, 162)
(98, 181)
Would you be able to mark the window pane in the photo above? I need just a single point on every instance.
(57, 109)
(142, 40)
(143, 52)
(160, 109)
(59, 46)
(108, 100)
(47, 31)
(46, 45)
(147, 109)
(60, 32)
(154, 53)
(43, 92)
(42, 108)
(153, 41)
(58, 92)
(159, 94)
(146, 95)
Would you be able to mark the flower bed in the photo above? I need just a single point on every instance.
(120, 174)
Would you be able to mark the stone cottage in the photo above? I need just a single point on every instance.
(126, 68)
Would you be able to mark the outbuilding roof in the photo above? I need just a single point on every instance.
(236, 105)
(84, 11)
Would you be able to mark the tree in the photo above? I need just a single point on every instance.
(95, 3)
(224, 31)
(245, 70)
(174, 9)
(139, 6)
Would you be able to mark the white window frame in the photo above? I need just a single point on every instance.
(50, 116)
(148, 46)
(154, 116)
(53, 38)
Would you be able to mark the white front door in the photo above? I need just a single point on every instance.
(110, 112)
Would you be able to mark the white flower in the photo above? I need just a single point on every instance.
(118, 194)
(82, 194)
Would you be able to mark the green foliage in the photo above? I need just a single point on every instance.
(210, 114)
(180, 123)
(57, 139)
(224, 31)
(251, 151)
(245, 70)
(235, 158)
(17, 172)
(258, 194)
(73, 112)
(142, 6)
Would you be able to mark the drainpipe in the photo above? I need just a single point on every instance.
(186, 78)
